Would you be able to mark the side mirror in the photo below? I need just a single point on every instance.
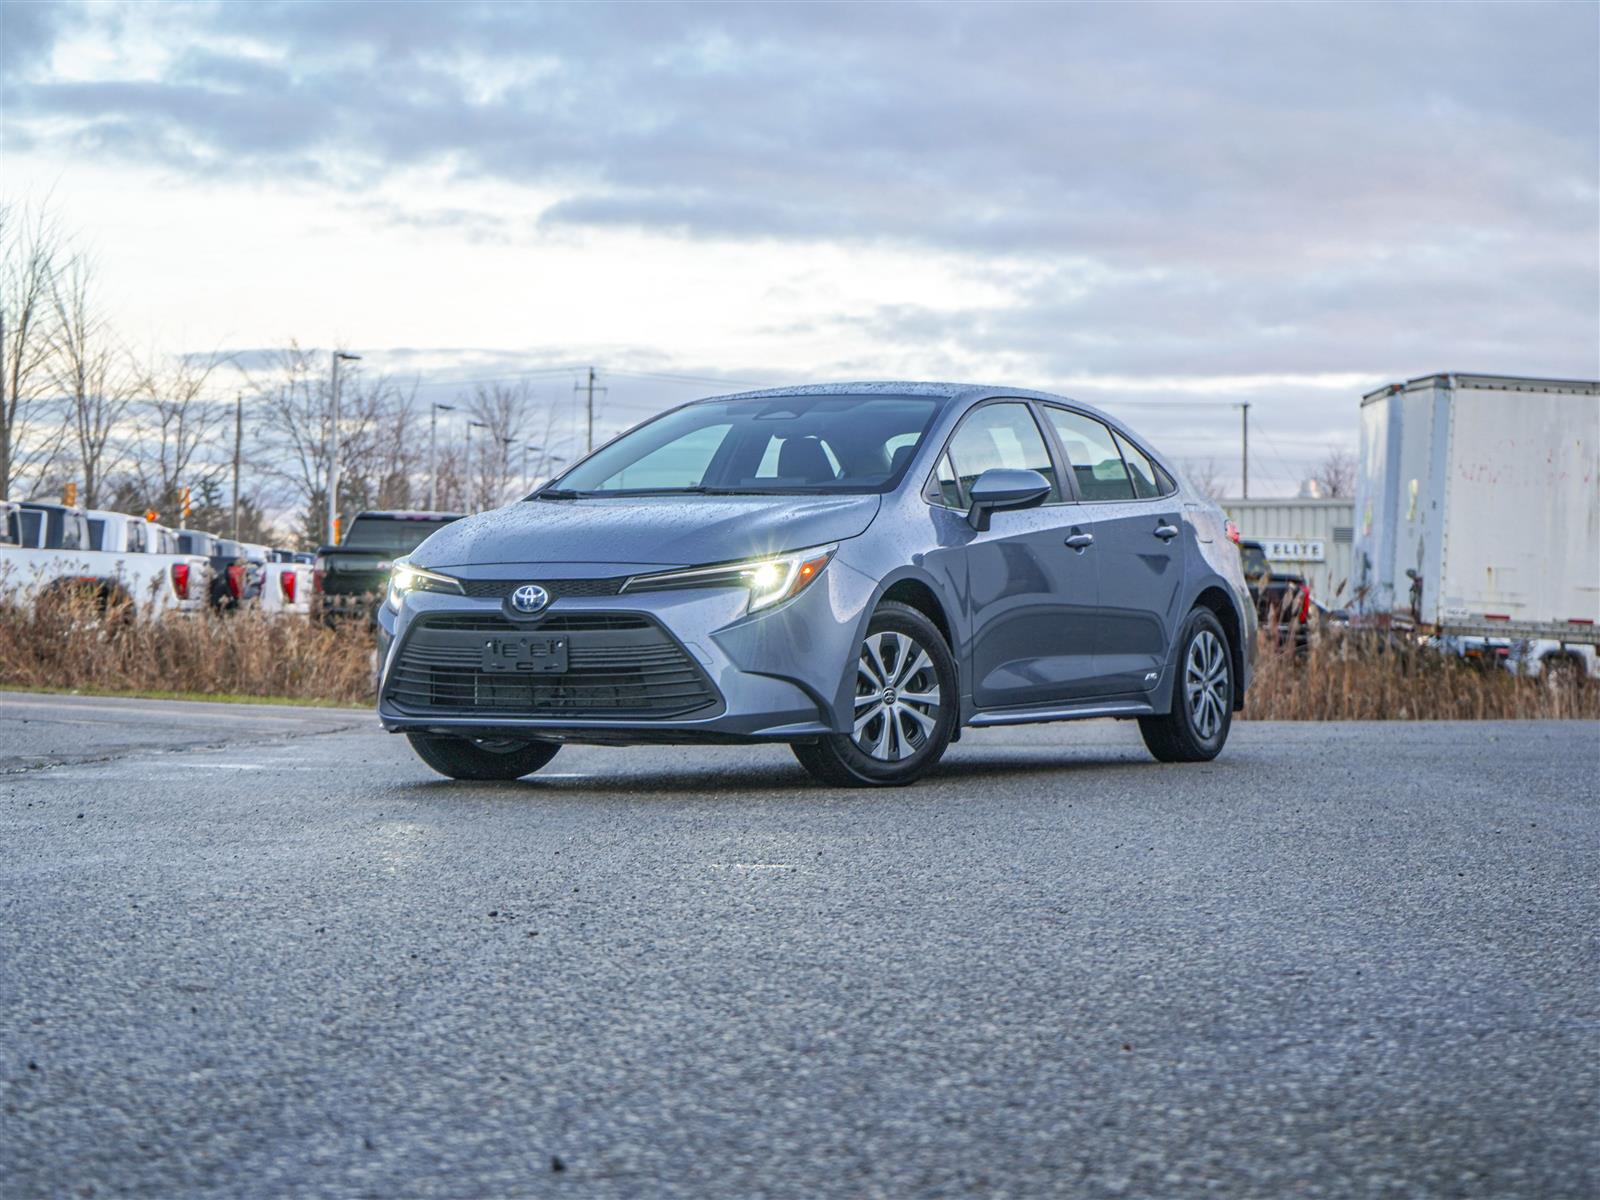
(1004, 488)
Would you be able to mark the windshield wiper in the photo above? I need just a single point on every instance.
(558, 494)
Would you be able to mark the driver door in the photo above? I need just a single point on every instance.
(1031, 599)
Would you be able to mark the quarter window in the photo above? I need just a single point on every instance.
(1092, 450)
(1147, 483)
(1000, 435)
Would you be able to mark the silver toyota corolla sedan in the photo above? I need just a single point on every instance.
(859, 570)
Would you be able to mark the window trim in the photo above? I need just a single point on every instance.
(934, 496)
(1118, 436)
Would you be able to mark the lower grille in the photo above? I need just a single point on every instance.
(618, 665)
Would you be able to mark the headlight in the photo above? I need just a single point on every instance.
(403, 578)
(770, 580)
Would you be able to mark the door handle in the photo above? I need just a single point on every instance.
(1081, 541)
(1166, 532)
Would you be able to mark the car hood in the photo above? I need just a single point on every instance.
(645, 531)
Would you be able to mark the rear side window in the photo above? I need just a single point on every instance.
(1092, 450)
(28, 529)
(97, 533)
(1149, 480)
(1000, 435)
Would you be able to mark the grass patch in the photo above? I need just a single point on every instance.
(209, 698)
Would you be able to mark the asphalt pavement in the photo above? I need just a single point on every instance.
(256, 951)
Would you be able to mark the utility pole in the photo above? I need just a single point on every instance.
(339, 356)
(588, 389)
(1244, 449)
(238, 442)
(433, 461)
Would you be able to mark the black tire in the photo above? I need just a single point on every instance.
(1194, 730)
(481, 758)
(911, 734)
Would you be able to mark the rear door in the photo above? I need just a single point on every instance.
(1031, 599)
(1139, 533)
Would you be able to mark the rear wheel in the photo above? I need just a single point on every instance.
(905, 708)
(1197, 725)
(481, 758)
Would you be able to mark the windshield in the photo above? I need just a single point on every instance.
(388, 535)
(830, 444)
(1255, 561)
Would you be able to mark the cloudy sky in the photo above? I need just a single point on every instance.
(1165, 210)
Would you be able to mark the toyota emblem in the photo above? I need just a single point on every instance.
(529, 598)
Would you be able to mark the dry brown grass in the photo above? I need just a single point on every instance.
(1353, 676)
(68, 645)
(1342, 676)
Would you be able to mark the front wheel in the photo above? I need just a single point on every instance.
(1197, 725)
(906, 703)
(481, 758)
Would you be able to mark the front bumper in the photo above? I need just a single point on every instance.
(720, 674)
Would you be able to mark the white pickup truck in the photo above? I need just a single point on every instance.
(49, 548)
(285, 580)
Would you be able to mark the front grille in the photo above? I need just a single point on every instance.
(618, 665)
(499, 589)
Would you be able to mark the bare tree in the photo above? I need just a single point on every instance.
(378, 456)
(31, 254)
(1203, 474)
(175, 422)
(91, 373)
(502, 409)
(1336, 475)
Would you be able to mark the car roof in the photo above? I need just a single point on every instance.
(906, 387)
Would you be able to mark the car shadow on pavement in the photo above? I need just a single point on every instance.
(777, 779)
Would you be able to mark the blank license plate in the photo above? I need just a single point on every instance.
(535, 655)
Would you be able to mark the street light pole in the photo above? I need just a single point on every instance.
(339, 356)
(472, 487)
(433, 459)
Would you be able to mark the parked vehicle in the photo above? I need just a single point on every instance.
(184, 584)
(54, 549)
(229, 568)
(1478, 514)
(286, 583)
(1282, 598)
(857, 570)
(350, 578)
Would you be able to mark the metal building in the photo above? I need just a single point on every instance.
(1309, 537)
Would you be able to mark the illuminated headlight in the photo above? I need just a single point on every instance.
(770, 580)
(405, 578)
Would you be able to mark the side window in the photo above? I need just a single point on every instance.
(1000, 435)
(97, 533)
(1147, 478)
(1092, 450)
(136, 538)
(680, 463)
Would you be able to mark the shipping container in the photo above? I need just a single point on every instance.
(1309, 537)
(1478, 507)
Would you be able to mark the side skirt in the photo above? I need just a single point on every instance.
(1080, 711)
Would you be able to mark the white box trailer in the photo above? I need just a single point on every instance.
(1478, 508)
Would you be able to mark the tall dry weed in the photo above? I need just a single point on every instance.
(68, 644)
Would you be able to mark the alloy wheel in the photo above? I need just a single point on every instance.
(1205, 681)
(897, 697)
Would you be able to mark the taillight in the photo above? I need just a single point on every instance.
(1232, 532)
(317, 573)
(1305, 605)
(236, 580)
(288, 581)
(180, 580)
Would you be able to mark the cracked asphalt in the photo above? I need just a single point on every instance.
(258, 951)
